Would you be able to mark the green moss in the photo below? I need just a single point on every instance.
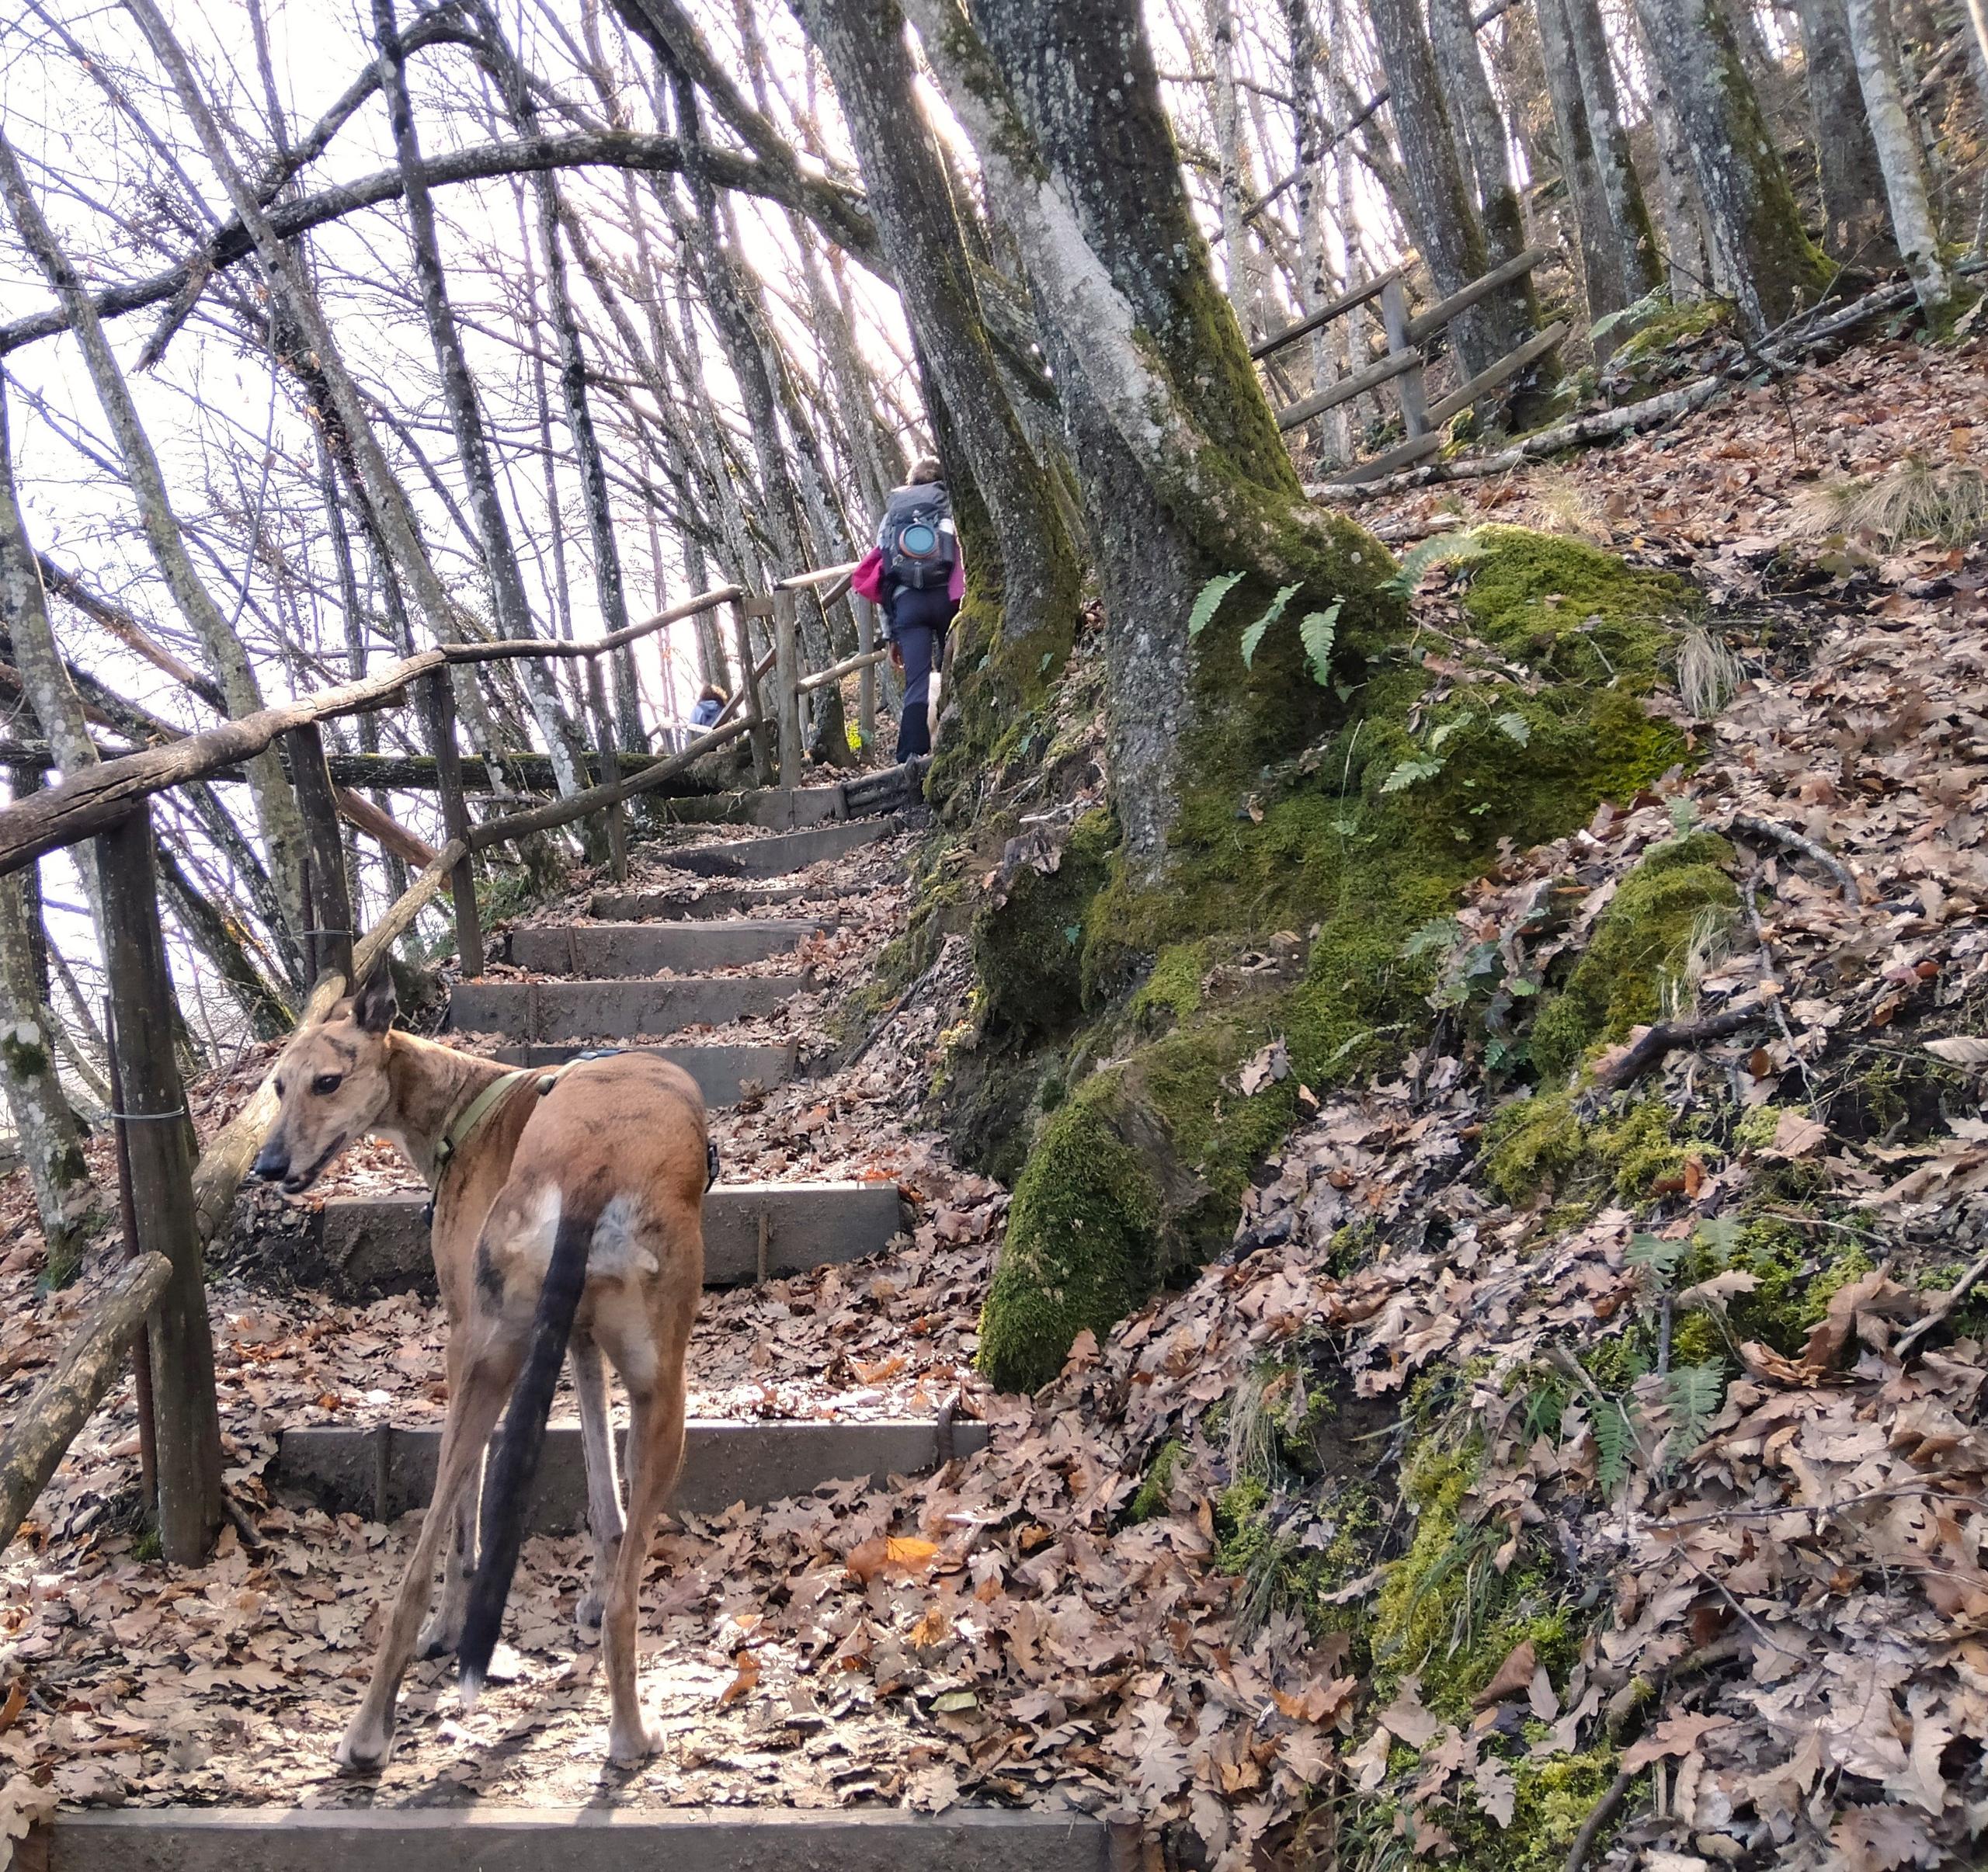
(1289, 822)
(1531, 1144)
(1553, 1797)
(1027, 953)
(1674, 325)
(1639, 946)
(1756, 1125)
(1151, 1499)
(1083, 1243)
(23, 1059)
(1173, 992)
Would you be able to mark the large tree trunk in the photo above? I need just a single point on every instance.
(1855, 228)
(1602, 279)
(1029, 571)
(1750, 211)
(1635, 238)
(1182, 469)
(1453, 37)
(1898, 154)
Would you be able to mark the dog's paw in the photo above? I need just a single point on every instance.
(364, 1747)
(439, 1638)
(587, 1616)
(630, 1746)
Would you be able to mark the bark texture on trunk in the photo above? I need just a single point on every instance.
(1453, 38)
(1031, 572)
(1899, 157)
(1750, 211)
(1601, 258)
(1855, 228)
(1635, 237)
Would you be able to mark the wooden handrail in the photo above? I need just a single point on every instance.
(847, 667)
(1333, 308)
(822, 575)
(1426, 325)
(1343, 389)
(507, 648)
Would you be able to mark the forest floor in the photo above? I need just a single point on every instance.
(1757, 1595)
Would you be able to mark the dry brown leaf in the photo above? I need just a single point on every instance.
(1512, 1679)
(899, 1553)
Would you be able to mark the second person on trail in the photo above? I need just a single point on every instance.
(921, 579)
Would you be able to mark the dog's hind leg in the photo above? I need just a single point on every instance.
(473, 1414)
(656, 1454)
(604, 1522)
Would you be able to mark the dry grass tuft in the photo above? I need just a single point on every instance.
(1946, 503)
(1561, 504)
(1708, 674)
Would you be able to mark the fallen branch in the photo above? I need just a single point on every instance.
(1787, 837)
(1918, 1330)
(64, 1401)
(1669, 1036)
(1605, 1810)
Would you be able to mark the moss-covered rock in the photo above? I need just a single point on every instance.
(1344, 819)
(1680, 893)
(1028, 952)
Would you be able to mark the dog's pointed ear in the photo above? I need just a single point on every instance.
(373, 1007)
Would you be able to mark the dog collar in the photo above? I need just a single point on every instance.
(472, 1117)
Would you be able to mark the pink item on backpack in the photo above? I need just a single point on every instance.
(867, 580)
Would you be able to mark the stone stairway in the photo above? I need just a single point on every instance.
(604, 992)
(601, 989)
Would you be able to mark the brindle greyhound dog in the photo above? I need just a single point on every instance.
(569, 1208)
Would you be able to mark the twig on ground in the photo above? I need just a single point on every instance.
(1605, 1810)
(891, 1014)
(1968, 1281)
(1786, 836)
(1748, 893)
(1668, 1036)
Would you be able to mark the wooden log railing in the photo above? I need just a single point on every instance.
(181, 1203)
(1408, 337)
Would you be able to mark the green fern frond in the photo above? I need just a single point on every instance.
(1442, 548)
(1654, 1252)
(1208, 601)
(1440, 932)
(1253, 636)
(1410, 771)
(1693, 1392)
(1515, 727)
(1317, 630)
(1615, 1442)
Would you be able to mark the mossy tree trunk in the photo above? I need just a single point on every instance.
(1182, 470)
(1029, 573)
(1771, 269)
(1854, 228)
(1899, 157)
(1453, 37)
(1602, 282)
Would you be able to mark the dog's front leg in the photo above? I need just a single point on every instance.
(473, 1414)
(604, 1521)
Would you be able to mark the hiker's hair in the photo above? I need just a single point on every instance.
(927, 468)
(712, 693)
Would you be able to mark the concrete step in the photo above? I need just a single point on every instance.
(777, 857)
(615, 1010)
(717, 901)
(358, 1248)
(478, 1837)
(773, 807)
(382, 1472)
(610, 951)
(722, 1073)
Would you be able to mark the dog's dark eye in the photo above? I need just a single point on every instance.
(279, 1088)
(326, 1083)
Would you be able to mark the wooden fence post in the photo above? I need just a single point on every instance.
(786, 685)
(1408, 386)
(455, 818)
(330, 943)
(610, 773)
(160, 1136)
(866, 684)
(763, 767)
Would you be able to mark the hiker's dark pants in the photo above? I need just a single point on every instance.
(918, 622)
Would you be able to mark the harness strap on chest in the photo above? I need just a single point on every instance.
(472, 1117)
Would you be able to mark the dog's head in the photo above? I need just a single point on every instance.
(332, 1085)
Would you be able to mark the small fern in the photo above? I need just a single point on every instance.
(1615, 1442)
(1317, 630)
(1440, 933)
(1653, 1252)
(1693, 1392)
(1408, 771)
(1253, 636)
(1514, 726)
(1208, 601)
(1441, 549)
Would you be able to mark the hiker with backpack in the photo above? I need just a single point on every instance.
(916, 574)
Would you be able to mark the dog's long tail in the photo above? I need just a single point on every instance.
(514, 1462)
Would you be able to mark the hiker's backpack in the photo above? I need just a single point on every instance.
(918, 541)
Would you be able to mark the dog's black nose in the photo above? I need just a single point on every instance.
(272, 1162)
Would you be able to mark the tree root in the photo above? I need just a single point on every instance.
(1786, 836)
